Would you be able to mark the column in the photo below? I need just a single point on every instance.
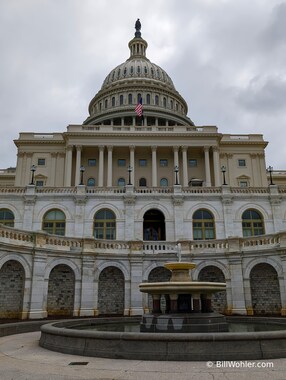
(207, 166)
(132, 163)
(255, 172)
(173, 303)
(238, 296)
(87, 306)
(28, 168)
(78, 164)
(136, 270)
(196, 302)
(100, 165)
(216, 166)
(156, 304)
(37, 307)
(185, 166)
(154, 166)
(19, 169)
(109, 165)
(68, 165)
(52, 177)
(176, 162)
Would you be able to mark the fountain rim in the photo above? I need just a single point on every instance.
(182, 286)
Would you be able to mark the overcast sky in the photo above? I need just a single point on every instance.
(227, 58)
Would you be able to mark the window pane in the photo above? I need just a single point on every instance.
(91, 162)
(121, 162)
(41, 161)
(163, 162)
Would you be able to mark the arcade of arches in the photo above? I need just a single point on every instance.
(264, 286)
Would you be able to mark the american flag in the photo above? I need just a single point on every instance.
(139, 108)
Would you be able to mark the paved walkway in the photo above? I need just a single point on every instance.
(22, 359)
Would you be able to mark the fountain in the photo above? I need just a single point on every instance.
(188, 330)
(188, 303)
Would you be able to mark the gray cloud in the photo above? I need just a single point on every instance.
(227, 58)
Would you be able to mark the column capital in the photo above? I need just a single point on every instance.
(109, 148)
(69, 147)
(184, 148)
(78, 148)
(154, 148)
(206, 148)
(131, 147)
(215, 149)
(176, 148)
(101, 147)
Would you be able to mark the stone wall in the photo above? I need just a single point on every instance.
(12, 277)
(265, 292)
(111, 291)
(61, 291)
(214, 274)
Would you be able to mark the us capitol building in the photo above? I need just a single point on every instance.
(90, 213)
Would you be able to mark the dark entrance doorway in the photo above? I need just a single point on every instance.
(154, 225)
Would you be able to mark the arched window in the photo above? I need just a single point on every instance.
(148, 99)
(138, 97)
(203, 225)
(54, 222)
(165, 102)
(156, 100)
(142, 182)
(130, 99)
(121, 100)
(252, 223)
(121, 182)
(113, 101)
(105, 225)
(105, 103)
(154, 225)
(163, 182)
(91, 182)
(6, 217)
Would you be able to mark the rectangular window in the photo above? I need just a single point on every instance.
(91, 162)
(39, 183)
(41, 161)
(142, 162)
(121, 162)
(241, 162)
(243, 184)
(163, 162)
(193, 162)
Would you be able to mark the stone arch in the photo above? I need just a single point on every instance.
(196, 271)
(265, 290)
(118, 214)
(154, 205)
(17, 214)
(111, 289)
(62, 261)
(253, 206)
(154, 225)
(116, 264)
(52, 206)
(212, 273)
(205, 206)
(61, 291)
(26, 266)
(12, 285)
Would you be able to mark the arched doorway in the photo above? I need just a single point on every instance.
(212, 273)
(12, 279)
(154, 225)
(159, 274)
(61, 291)
(265, 291)
(111, 290)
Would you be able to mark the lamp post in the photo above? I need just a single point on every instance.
(129, 175)
(270, 170)
(176, 170)
(82, 170)
(223, 170)
(33, 169)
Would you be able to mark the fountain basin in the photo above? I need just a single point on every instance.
(163, 346)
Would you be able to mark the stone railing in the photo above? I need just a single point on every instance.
(54, 190)
(178, 189)
(51, 243)
(154, 190)
(153, 247)
(260, 241)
